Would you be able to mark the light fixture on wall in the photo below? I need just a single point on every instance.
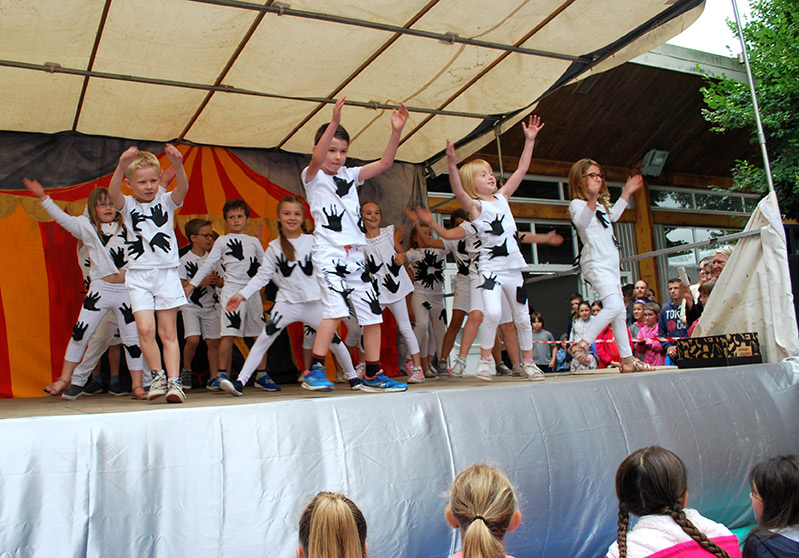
(653, 162)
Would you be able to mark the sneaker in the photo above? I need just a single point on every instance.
(185, 378)
(409, 367)
(158, 386)
(118, 389)
(360, 370)
(532, 371)
(175, 392)
(73, 392)
(458, 367)
(442, 369)
(355, 384)
(430, 372)
(266, 383)
(416, 376)
(485, 370)
(381, 384)
(233, 387)
(315, 379)
(518, 371)
(503, 370)
(92, 388)
(213, 383)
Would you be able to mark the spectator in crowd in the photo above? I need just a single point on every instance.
(574, 303)
(628, 295)
(775, 503)
(720, 260)
(670, 323)
(639, 290)
(704, 293)
(596, 307)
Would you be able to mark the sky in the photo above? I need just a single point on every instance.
(710, 33)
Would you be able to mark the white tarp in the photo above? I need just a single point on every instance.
(221, 72)
(753, 292)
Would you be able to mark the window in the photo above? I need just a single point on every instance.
(705, 200)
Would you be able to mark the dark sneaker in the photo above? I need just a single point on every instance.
(73, 392)
(185, 379)
(118, 389)
(266, 383)
(233, 387)
(92, 388)
(355, 384)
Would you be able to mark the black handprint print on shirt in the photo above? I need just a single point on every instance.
(499, 251)
(342, 186)
(271, 324)
(372, 265)
(307, 265)
(78, 331)
(197, 294)
(234, 319)
(394, 267)
(236, 249)
(309, 330)
(496, 225)
(133, 350)
(333, 218)
(374, 303)
(136, 218)
(462, 247)
(135, 247)
(158, 216)
(191, 269)
(127, 313)
(489, 282)
(104, 238)
(427, 305)
(254, 265)
(463, 267)
(390, 284)
(160, 240)
(90, 302)
(443, 316)
(284, 266)
(118, 255)
(345, 294)
(521, 294)
(341, 269)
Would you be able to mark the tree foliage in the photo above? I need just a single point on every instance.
(772, 41)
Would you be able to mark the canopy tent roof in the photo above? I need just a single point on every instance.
(253, 74)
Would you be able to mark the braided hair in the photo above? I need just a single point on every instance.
(653, 481)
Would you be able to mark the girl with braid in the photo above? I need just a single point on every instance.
(483, 506)
(332, 526)
(652, 484)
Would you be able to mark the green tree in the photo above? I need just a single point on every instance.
(772, 41)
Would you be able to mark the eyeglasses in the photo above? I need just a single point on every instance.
(595, 175)
(105, 205)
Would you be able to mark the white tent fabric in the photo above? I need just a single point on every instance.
(233, 73)
(753, 292)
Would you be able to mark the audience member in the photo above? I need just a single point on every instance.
(544, 349)
(704, 293)
(649, 347)
(596, 307)
(775, 503)
(720, 260)
(332, 526)
(574, 303)
(670, 324)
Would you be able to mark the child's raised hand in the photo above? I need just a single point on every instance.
(425, 215)
(128, 157)
(533, 127)
(451, 156)
(174, 155)
(634, 183)
(337, 109)
(167, 176)
(34, 187)
(399, 117)
(411, 214)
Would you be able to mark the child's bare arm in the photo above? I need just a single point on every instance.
(320, 149)
(398, 119)
(176, 158)
(470, 205)
(427, 241)
(167, 176)
(115, 186)
(401, 258)
(426, 216)
(552, 238)
(530, 132)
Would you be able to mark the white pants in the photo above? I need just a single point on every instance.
(400, 311)
(507, 284)
(429, 309)
(282, 314)
(613, 312)
(104, 298)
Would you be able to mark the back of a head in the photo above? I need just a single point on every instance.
(332, 526)
(483, 503)
(777, 482)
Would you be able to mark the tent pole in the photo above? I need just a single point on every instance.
(761, 137)
(498, 136)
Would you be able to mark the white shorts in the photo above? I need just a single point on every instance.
(155, 289)
(343, 281)
(462, 299)
(247, 320)
(476, 300)
(204, 323)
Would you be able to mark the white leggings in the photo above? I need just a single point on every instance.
(102, 298)
(429, 309)
(400, 311)
(282, 314)
(510, 284)
(613, 312)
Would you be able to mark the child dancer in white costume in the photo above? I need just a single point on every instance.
(500, 262)
(599, 259)
(385, 261)
(104, 235)
(287, 262)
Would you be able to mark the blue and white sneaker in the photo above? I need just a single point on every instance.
(213, 383)
(265, 382)
(315, 379)
(381, 384)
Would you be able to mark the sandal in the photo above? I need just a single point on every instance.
(55, 392)
(138, 393)
(635, 366)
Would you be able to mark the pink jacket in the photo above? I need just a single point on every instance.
(652, 352)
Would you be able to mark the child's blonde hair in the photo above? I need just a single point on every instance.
(467, 173)
(143, 160)
(483, 503)
(577, 183)
(100, 195)
(332, 526)
(285, 245)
